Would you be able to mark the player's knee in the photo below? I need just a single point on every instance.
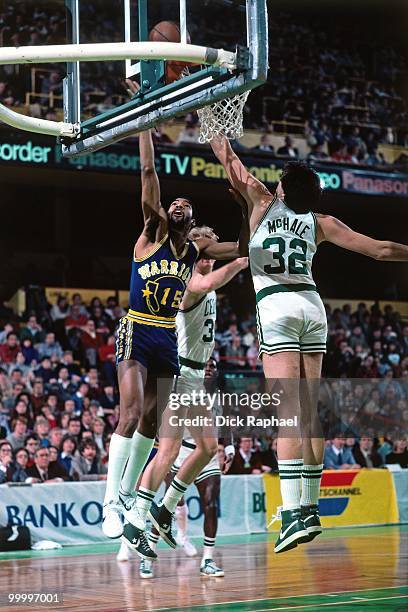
(210, 504)
(208, 449)
(169, 454)
(127, 426)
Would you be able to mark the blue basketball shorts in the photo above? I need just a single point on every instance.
(153, 347)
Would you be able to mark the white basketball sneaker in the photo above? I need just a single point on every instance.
(124, 553)
(130, 511)
(185, 543)
(209, 568)
(146, 568)
(112, 525)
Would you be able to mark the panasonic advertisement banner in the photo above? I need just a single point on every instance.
(197, 163)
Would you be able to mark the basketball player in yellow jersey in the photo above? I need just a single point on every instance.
(162, 265)
(285, 230)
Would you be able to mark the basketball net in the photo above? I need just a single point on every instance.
(224, 117)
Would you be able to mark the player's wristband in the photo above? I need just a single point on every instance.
(229, 450)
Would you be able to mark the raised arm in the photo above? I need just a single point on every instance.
(153, 212)
(254, 192)
(154, 216)
(333, 230)
(211, 249)
(201, 284)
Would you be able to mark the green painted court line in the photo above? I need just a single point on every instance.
(104, 548)
(392, 600)
(389, 596)
(385, 603)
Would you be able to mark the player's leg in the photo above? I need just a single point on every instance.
(146, 567)
(142, 446)
(209, 491)
(143, 438)
(159, 467)
(181, 513)
(312, 441)
(132, 376)
(182, 539)
(162, 514)
(283, 370)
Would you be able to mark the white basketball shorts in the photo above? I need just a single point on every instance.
(292, 321)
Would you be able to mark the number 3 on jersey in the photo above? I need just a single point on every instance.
(209, 335)
(296, 260)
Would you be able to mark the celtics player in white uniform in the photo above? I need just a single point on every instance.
(195, 342)
(285, 231)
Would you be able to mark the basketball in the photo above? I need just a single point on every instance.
(169, 31)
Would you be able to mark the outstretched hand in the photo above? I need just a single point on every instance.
(242, 262)
(132, 87)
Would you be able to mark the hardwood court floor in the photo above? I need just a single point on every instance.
(346, 569)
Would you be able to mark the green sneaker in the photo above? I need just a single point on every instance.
(146, 568)
(311, 519)
(209, 568)
(293, 531)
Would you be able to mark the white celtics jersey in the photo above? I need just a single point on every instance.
(196, 329)
(281, 251)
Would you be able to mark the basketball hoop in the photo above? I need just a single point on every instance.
(224, 117)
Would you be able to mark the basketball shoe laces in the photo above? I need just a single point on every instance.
(143, 545)
(276, 517)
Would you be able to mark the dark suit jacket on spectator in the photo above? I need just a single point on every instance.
(238, 465)
(361, 460)
(55, 470)
(285, 151)
(401, 458)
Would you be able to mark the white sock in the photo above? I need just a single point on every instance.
(290, 474)
(139, 454)
(153, 540)
(144, 501)
(208, 548)
(119, 451)
(174, 493)
(181, 519)
(311, 478)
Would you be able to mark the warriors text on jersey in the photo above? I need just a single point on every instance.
(158, 281)
(291, 315)
(195, 330)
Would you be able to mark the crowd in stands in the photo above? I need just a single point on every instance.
(342, 452)
(346, 86)
(344, 89)
(59, 399)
